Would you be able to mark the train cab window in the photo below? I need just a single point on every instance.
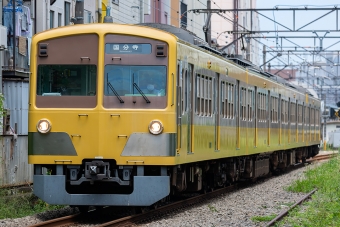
(67, 80)
(135, 86)
(66, 86)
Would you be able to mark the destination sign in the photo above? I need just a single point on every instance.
(128, 48)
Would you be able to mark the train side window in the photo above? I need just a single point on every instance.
(250, 105)
(274, 109)
(243, 98)
(197, 93)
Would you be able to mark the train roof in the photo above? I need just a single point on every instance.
(190, 37)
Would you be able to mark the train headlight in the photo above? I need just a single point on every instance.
(155, 127)
(44, 126)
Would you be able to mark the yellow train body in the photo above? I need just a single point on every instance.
(101, 129)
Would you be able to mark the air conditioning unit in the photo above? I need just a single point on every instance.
(3, 37)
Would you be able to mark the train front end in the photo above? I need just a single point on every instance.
(102, 120)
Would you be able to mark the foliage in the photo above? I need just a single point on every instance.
(21, 205)
(324, 207)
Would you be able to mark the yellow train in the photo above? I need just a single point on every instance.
(126, 115)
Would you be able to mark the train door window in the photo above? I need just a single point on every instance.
(287, 111)
(231, 90)
(224, 99)
(243, 98)
(250, 105)
(184, 91)
(258, 98)
(307, 115)
(282, 111)
(210, 95)
(292, 112)
(299, 114)
(206, 94)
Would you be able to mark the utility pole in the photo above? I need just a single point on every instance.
(264, 57)
(207, 26)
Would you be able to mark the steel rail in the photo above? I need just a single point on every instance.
(71, 219)
(285, 213)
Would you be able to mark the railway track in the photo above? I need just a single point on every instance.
(160, 211)
(286, 212)
(323, 157)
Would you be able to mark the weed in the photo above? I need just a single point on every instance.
(212, 208)
(324, 207)
(263, 218)
(21, 205)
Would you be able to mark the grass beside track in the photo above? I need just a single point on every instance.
(324, 207)
(21, 205)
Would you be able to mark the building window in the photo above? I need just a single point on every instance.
(51, 19)
(184, 14)
(59, 19)
(67, 13)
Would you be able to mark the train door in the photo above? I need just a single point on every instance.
(190, 99)
(237, 111)
(255, 117)
(184, 113)
(269, 117)
(280, 119)
(217, 107)
(180, 70)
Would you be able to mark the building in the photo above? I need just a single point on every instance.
(240, 22)
(40, 15)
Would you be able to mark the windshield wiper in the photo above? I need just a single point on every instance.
(142, 93)
(115, 92)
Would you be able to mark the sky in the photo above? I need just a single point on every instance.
(302, 18)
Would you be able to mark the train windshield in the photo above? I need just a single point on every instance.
(135, 86)
(134, 80)
(67, 80)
